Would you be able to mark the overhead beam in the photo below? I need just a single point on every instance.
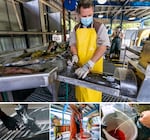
(144, 14)
(121, 8)
(51, 4)
(132, 12)
(127, 10)
(125, 18)
(139, 3)
(116, 9)
(90, 112)
(11, 1)
(110, 3)
(132, 4)
(21, 1)
(144, 11)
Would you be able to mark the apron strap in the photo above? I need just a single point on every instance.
(96, 25)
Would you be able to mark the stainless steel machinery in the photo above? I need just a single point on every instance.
(121, 86)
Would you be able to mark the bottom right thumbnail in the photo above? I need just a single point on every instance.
(125, 121)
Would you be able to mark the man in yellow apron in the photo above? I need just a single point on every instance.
(88, 46)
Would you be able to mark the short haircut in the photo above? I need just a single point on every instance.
(84, 4)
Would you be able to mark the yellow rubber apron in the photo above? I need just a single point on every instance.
(86, 41)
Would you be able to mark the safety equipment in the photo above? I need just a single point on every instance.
(75, 59)
(86, 47)
(83, 71)
(86, 21)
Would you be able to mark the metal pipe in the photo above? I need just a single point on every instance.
(69, 20)
(133, 51)
(64, 21)
(122, 15)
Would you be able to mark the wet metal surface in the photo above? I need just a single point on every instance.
(99, 82)
(120, 87)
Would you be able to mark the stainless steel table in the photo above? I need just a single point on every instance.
(27, 81)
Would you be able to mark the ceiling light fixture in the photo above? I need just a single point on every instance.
(101, 1)
(131, 18)
(100, 16)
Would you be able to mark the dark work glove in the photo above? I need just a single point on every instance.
(10, 123)
(143, 131)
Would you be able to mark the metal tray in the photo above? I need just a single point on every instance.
(26, 81)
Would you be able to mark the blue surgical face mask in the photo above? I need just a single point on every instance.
(86, 21)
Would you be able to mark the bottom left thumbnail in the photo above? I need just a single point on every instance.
(24, 122)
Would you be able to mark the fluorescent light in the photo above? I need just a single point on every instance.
(101, 1)
(100, 16)
(131, 18)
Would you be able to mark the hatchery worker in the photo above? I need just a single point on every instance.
(116, 42)
(75, 122)
(88, 43)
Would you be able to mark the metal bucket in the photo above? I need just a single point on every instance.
(84, 136)
(113, 120)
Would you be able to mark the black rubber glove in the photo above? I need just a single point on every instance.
(143, 131)
(9, 122)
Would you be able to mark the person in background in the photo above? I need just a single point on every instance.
(56, 123)
(9, 122)
(88, 43)
(89, 125)
(76, 123)
(116, 42)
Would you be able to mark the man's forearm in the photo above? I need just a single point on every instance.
(73, 49)
(98, 53)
